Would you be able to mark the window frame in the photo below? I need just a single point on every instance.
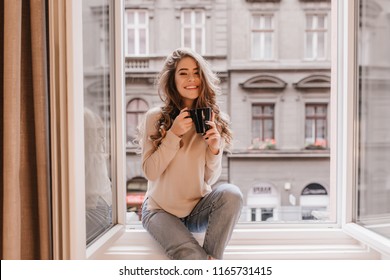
(263, 118)
(314, 118)
(193, 26)
(343, 144)
(316, 31)
(136, 27)
(262, 32)
(67, 130)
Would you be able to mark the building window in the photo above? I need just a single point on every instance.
(137, 32)
(193, 30)
(315, 36)
(135, 110)
(314, 202)
(262, 37)
(316, 126)
(262, 198)
(261, 214)
(263, 126)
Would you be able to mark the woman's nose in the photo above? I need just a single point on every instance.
(191, 77)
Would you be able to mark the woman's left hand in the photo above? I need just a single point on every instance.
(212, 136)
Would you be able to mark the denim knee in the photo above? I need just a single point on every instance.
(231, 195)
(190, 250)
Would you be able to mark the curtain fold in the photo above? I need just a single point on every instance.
(25, 211)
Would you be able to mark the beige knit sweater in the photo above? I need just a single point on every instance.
(178, 177)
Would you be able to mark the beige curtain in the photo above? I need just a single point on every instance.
(24, 164)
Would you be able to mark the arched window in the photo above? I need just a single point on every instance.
(314, 202)
(135, 110)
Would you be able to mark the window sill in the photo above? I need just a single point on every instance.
(253, 244)
(372, 239)
(280, 154)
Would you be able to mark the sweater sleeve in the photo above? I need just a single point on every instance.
(155, 161)
(213, 168)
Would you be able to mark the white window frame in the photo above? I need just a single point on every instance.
(137, 27)
(342, 165)
(262, 30)
(315, 32)
(193, 26)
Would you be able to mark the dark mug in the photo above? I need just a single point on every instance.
(199, 116)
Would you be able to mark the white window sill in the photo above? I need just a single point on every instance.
(254, 244)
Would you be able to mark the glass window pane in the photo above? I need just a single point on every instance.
(310, 110)
(187, 17)
(256, 40)
(321, 21)
(198, 17)
(269, 129)
(268, 46)
(268, 110)
(257, 110)
(309, 21)
(131, 126)
(309, 130)
(142, 41)
(98, 123)
(373, 148)
(143, 106)
(321, 128)
(309, 45)
(256, 126)
(142, 17)
(130, 41)
(198, 40)
(187, 37)
(320, 110)
(130, 17)
(267, 22)
(320, 44)
(132, 106)
(256, 21)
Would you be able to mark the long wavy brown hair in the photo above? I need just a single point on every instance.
(173, 102)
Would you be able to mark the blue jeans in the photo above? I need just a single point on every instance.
(217, 213)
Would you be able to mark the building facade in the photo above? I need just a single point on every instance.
(273, 58)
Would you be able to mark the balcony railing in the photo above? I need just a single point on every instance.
(137, 63)
(154, 63)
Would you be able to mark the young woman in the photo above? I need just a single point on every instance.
(181, 165)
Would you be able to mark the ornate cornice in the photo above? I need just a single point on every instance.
(264, 82)
(313, 81)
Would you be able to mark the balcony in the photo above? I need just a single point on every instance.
(136, 64)
(154, 63)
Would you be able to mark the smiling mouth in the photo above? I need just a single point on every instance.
(191, 87)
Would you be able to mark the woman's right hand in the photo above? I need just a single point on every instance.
(182, 124)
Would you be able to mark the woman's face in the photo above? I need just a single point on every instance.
(187, 80)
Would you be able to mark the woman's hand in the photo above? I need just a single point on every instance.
(182, 124)
(212, 136)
